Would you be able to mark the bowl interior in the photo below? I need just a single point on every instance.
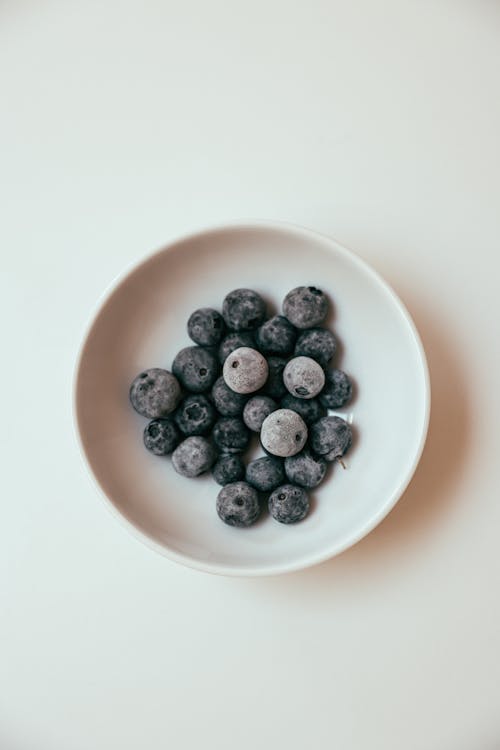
(142, 324)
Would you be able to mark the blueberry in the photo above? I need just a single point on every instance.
(309, 409)
(238, 504)
(276, 336)
(265, 474)
(303, 377)
(196, 368)
(193, 456)
(161, 436)
(234, 341)
(206, 326)
(305, 306)
(275, 386)
(245, 370)
(230, 435)
(196, 415)
(283, 433)
(227, 402)
(337, 390)
(155, 393)
(288, 504)
(243, 310)
(228, 468)
(305, 469)
(330, 437)
(317, 343)
(256, 410)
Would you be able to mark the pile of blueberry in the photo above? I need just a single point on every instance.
(248, 374)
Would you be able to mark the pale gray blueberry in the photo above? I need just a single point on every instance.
(309, 409)
(243, 310)
(275, 386)
(233, 341)
(276, 336)
(256, 410)
(196, 415)
(305, 306)
(337, 391)
(317, 343)
(238, 504)
(197, 368)
(227, 402)
(231, 435)
(288, 504)
(303, 377)
(266, 473)
(330, 437)
(194, 456)
(305, 469)
(161, 436)
(228, 468)
(245, 370)
(155, 393)
(284, 433)
(206, 326)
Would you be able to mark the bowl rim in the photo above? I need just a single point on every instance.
(282, 567)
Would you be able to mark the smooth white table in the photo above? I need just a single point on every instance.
(125, 124)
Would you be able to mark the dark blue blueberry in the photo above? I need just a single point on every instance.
(305, 469)
(233, 341)
(228, 468)
(230, 435)
(266, 473)
(309, 409)
(275, 387)
(197, 368)
(256, 410)
(161, 436)
(317, 343)
(194, 456)
(238, 504)
(288, 504)
(227, 402)
(243, 310)
(276, 336)
(305, 306)
(155, 393)
(206, 326)
(196, 415)
(330, 437)
(337, 390)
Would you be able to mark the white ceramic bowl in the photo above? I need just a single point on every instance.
(142, 323)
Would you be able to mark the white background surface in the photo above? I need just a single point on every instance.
(125, 124)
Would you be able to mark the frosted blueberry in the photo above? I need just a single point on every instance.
(243, 310)
(305, 469)
(284, 433)
(193, 456)
(206, 326)
(155, 393)
(275, 386)
(330, 437)
(234, 341)
(231, 435)
(337, 390)
(227, 402)
(309, 409)
(196, 415)
(197, 368)
(238, 504)
(288, 504)
(276, 336)
(228, 468)
(161, 436)
(303, 377)
(305, 306)
(265, 474)
(317, 343)
(245, 370)
(256, 410)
